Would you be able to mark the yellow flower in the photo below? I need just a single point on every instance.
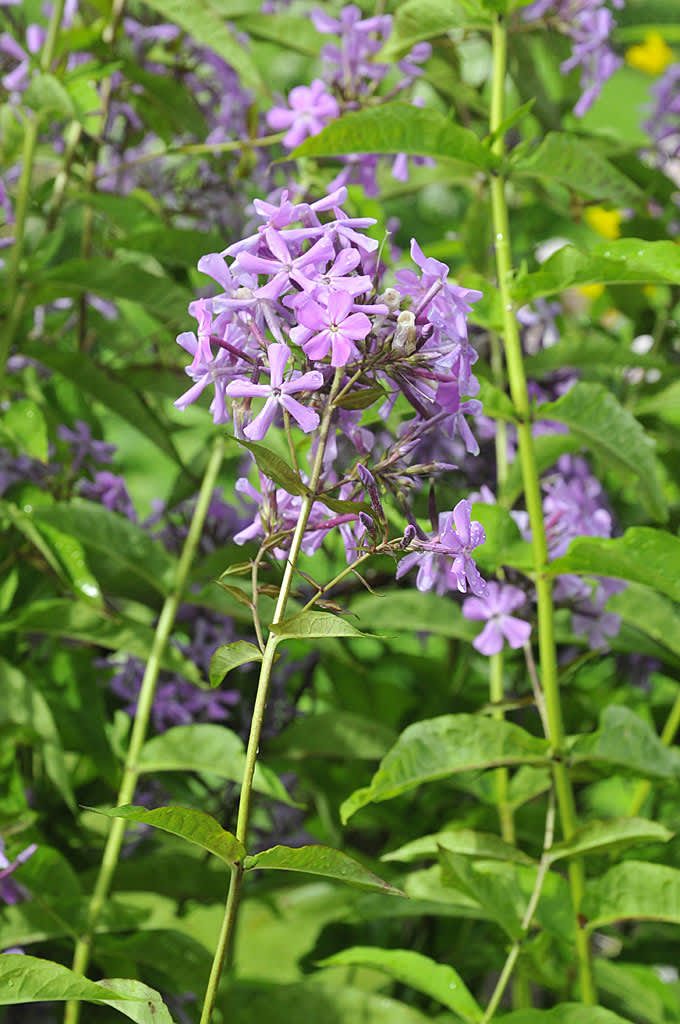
(591, 291)
(653, 56)
(606, 222)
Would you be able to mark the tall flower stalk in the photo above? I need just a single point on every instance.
(530, 477)
(114, 841)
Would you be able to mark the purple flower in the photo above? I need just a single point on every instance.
(111, 491)
(332, 327)
(278, 394)
(445, 560)
(495, 608)
(311, 108)
(83, 446)
(10, 892)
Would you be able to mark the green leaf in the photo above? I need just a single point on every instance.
(27, 979)
(642, 555)
(314, 625)
(114, 536)
(623, 261)
(576, 163)
(593, 414)
(334, 734)
(176, 247)
(24, 705)
(598, 836)
(71, 555)
(82, 622)
(417, 20)
(648, 612)
(273, 466)
(625, 742)
(565, 1013)
(362, 398)
(414, 612)
(633, 891)
(288, 31)
(496, 403)
(320, 860)
(108, 388)
(207, 748)
(438, 747)
(207, 24)
(230, 656)
(462, 841)
(187, 823)
(665, 403)
(399, 128)
(438, 981)
(151, 1009)
(46, 95)
(492, 893)
(639, 989)
(25, 424)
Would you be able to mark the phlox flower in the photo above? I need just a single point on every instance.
(331, 327)
(278, 394)
(311, 108)
(495, 608)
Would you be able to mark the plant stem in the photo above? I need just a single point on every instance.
(166, 621)
(15, 302)
(509, 964)
(501, 775)
(225, 938)
(644, 786)
(532, 491)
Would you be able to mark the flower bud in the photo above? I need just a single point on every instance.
(404, 339)
(391, 298)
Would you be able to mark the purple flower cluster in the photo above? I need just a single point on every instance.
(589, 24)
(351, 78)
(303, 310)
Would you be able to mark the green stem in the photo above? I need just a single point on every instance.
(16, 302)
(225, 939)
(644, 786)
(501, 775)
(532, 491)
(511, 960)
(166, 621)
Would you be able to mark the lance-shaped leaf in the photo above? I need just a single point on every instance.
(114, 536)
(438, 981)
(626, 742)
(109, 389)
(400, 128)
(593, 414)
(414, 612)
(230, 656)
(570, 161)
(320, 860)
(208, 25)
(633, 891)
(624, 261)
(439, 747)
(334, 734)
(28, 979)
(650, 613)
(276, 468)
(599, 836)
(565, 1013)
(642, 555)
(208, 748)
(480, 845)
(149, 1010)
(313, 625)
(499, 901)
(78, 621)
(187, 823)
(416, 20)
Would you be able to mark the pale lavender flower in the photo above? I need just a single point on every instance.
(311, 109)
(331, 327)
(664, 124)
(278, 394)
(445, 559)
(495, 608)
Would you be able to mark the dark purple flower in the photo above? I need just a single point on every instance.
(445, 560)
(83, 446)
(10, 892)
(495, 608)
